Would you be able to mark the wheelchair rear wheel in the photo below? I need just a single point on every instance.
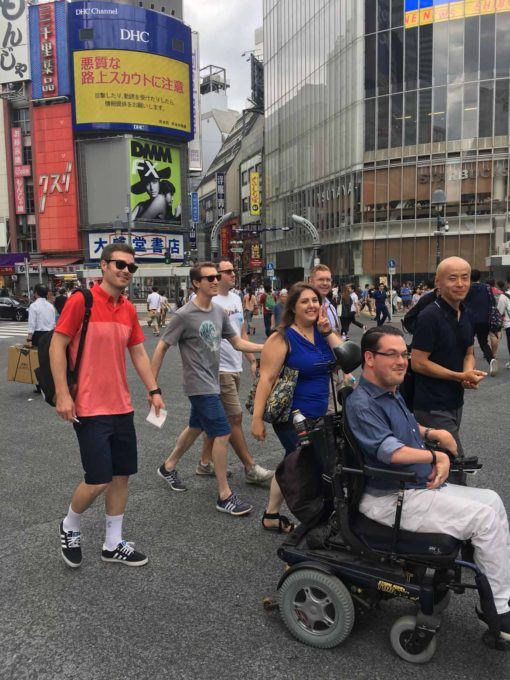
(401, 633)
(316, 607)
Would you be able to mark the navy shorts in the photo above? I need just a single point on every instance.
(208, 414)
(107, 447)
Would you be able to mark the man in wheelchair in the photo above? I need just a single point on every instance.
(390, 438)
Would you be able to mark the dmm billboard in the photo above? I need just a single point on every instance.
(155, 174)
(55, 178)
(131, 69)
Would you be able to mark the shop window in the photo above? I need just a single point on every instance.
(469, 123)
(471, 41)
(383, 62)
(487, 38)
(27, 155)
(411, 58)
(21, 118)
(382, 122)
(425, 110)
(368, 195)
(410, 119)
(483, 187)
(396, 120)
(486, 108)
(440, 63)
(456, 52)
(408, 192)
(423, 181)
(381, 195)
(370, 124)
(370, 65)
(244, 178)
(468, 188)
(499, 186)
(425, 62)
(395, 193)
(29, 198)
(501, 107)
(397, 60)
(454, 112)
(502, 44)
(439, 115)
(370, 16)
(383, 15)
(246, 204)
(397, 13)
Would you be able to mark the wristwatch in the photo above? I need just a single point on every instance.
(155, 391)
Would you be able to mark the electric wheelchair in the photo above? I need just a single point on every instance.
(342, 564)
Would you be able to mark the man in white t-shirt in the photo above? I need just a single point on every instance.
(231, 366)
(154, 309)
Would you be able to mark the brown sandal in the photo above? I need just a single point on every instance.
(285, 526)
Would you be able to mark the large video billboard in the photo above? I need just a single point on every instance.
(55, 178)
(155, 174)
(423, 12)
(131, 70)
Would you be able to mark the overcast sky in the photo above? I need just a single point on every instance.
(227, 29)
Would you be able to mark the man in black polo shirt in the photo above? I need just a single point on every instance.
(442, 357)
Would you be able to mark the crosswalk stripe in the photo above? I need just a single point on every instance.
(14, 330)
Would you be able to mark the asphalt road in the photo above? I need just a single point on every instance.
(195, 610)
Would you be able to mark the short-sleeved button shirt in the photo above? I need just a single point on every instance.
(113, 327)
(434, 333)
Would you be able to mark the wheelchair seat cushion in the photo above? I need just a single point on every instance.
(379, 537)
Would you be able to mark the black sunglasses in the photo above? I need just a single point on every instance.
(227, 271)
(121, 264)
(211, 278)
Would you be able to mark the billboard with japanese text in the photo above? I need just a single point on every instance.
(155, 178)
(55, 178)
(14, 50)
(423, 12)
(48, 50)
(148, 245)
(131, 70)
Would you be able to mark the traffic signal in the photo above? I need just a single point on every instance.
(168, 259)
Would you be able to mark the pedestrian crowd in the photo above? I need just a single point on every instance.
(407, 394)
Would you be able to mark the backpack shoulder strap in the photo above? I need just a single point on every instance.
(89, 300)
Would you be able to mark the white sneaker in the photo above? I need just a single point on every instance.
(507, 365)
(493, 368)
(258, 475)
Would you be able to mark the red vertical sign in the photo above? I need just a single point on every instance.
(17, 161)
(48, 47)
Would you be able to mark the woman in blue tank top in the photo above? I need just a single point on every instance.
(304, 341)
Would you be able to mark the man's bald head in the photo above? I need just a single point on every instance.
(453, 280)
(451, 264)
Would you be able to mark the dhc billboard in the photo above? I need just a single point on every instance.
(131, 70)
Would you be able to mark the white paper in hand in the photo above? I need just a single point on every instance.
(153, 419)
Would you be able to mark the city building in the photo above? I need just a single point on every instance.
(381, 117)
(96, 126)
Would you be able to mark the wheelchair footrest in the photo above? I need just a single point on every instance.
(494, 641)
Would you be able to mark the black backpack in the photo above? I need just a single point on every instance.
(43, 373)
(409, 320)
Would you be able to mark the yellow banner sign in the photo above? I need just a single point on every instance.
(254, 193)
(449, 11)
(118, 86)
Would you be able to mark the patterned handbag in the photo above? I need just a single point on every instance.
(495, 320)
(279, 402)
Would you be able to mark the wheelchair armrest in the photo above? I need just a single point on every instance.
(393, 475)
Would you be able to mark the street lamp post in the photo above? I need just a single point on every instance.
(129, 221)
(312, 230)
(439, 201)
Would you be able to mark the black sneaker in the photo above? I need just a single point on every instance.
(124, 553)
(504, 624)
(233, 506)
(70, 546)
(172, 479)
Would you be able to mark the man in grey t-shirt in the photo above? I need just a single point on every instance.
(198, 328)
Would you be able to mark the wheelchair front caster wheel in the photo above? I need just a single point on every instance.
(400, 637)
(316, 608)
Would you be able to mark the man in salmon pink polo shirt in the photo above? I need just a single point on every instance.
(100, 407)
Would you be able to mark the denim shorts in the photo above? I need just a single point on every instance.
(107, 447)
(208, 414)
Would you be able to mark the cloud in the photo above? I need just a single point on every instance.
(227, 29)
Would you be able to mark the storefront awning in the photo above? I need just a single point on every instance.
(59, 261)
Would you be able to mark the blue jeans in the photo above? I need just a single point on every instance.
(287, 436)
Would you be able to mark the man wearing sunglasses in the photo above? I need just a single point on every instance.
(231, 366)
(198, 329)
(100, 407)
(389, 436)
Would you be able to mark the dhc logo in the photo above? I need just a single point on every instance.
(136, 36)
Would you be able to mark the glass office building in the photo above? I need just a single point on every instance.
(373, 105)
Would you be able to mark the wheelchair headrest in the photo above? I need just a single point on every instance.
(348, 356)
